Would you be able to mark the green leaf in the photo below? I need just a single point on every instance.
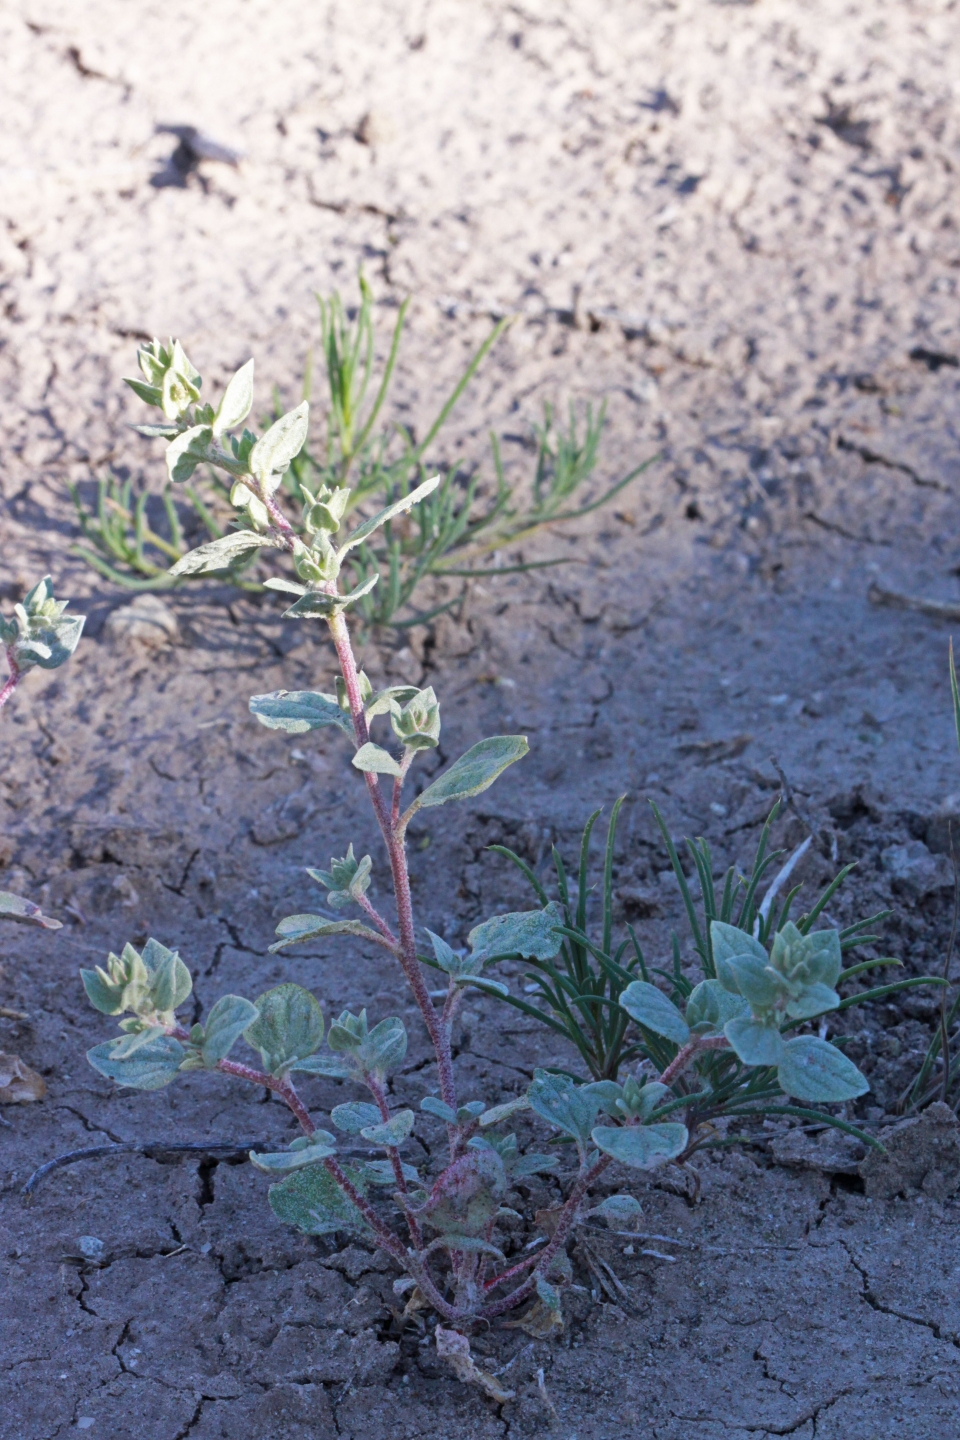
(329, 1066)
(384, 1048)
(433, 1105)
(347, 880)
(813, 1000)
(355, 1116)
(236, 402)
(150, 394)
(284, 440)
(358, 536)
(221, 554)
(170, 980)
(621, 1209)
(815, 1070)
(730, 943)
(609, 1096)
(227, 1021)
(467, 1194)
(297, 711)
(642, 1147)
(567, 1106)
(710, 1006)
(319, 1145)
(640, 1101)
(373, 759)
(311, 1200)
(483, 982)
(184, 454)
(287, 1027)
(499, 1113)
(12, 907)
(318, 605)
(811, 959)
(390, 1132)
(533, 1165)
(530, 933)
(383, 702)
(650, 1008)
(458, 967)
(754, 1041)
(297, 928)
(473, 772)
(149, 1068)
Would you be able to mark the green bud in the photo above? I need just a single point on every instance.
(346, 880)
(253, 507)
(417, 724)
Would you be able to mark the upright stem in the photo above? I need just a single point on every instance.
(279, 1086)
(16, 675)
(398, 868)
(693, 1047)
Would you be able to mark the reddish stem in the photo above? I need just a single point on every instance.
(385, 1238)
(565, 1222)
(693, 1047)
(16, 675)
(279, 1085)
(407, 954)
(379, 921)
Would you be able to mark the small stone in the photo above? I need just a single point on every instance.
(90, 1247)
(375, 128)
(914, 871)
(146, 621)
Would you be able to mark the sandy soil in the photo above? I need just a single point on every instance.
(737, 222)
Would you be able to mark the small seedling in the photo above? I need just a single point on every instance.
(39, 634)
(452, 532)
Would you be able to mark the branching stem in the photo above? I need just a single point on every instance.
(692, 1048)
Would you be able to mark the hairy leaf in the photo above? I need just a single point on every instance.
(475, 771)
(297, 711)
(306, 1151)
(710, 1006)
(729, 943)
(297, 928)
(227, 1021)
(530, 933)
(13, 907)
(218, 555)
(357, 537)
(569, 1107)
(390, 1132)
(236, 402)
(312, 1200)
(287, 1028)
(814, 1070)
(355, 1116)
(754, 1041)
(187, 451)
(149, 1068)
(642, 1147)
(433, 1105)
(647, 1005)
(283, 441)
(375, 759)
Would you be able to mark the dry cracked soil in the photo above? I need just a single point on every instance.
(736, 222)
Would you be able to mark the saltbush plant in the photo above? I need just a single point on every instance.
(763, 976)
(451, 535)
(38, 635)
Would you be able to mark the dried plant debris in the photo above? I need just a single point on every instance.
(19, 1085)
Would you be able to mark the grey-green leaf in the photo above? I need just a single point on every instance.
(149, 1068)
(642, 1147)
(375, 760)
(390, 1132)
(433, 1105)
(226, 1023)
(312, 1200)
(710, 1006)
(816, 1071)
(355, 1116)
(754, 1042)
(530, 933)
(13, 907)
(285, 439)
(621, 1209)
(221, 554)
(297, 928)
(358, 536)
(236, 402)
(286, 1028)
(184, 454)
(650, 1008)
(569, 1107)
(475, 771)
(322, 1144)
(297, 711)
(729, 942)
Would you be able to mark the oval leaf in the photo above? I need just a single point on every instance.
(273, 452)
(727, 942)
(287, 1027)
(642, 1147)
(149, 1068)
(474, 771)
(297, 711)
(296, 928)
(12, 907)
(569, 1107)
(530, 933)
(650, 1008)
(710, 1006)
(312, 1200)
(390, 1132)
(812, 1069)
(355, 1116)
(228, 1019)
(753, 1042)
(321, 1145)
(220, 554)
(619, 1208)
(375, 760)
(237, 401)
(184, 454)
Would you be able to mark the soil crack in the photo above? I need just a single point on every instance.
(875, 1303)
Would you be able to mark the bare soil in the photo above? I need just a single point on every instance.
(737, 222)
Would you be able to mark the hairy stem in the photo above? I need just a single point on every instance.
(279, 1085)
(385, 1238)
(373, 914)
(565, 1223)
(693, 1047)
(16, 675)
(407, 951)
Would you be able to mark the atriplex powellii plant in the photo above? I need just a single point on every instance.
(440, 1229)
(39, 634)
(725, 1044)
(454, 530)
